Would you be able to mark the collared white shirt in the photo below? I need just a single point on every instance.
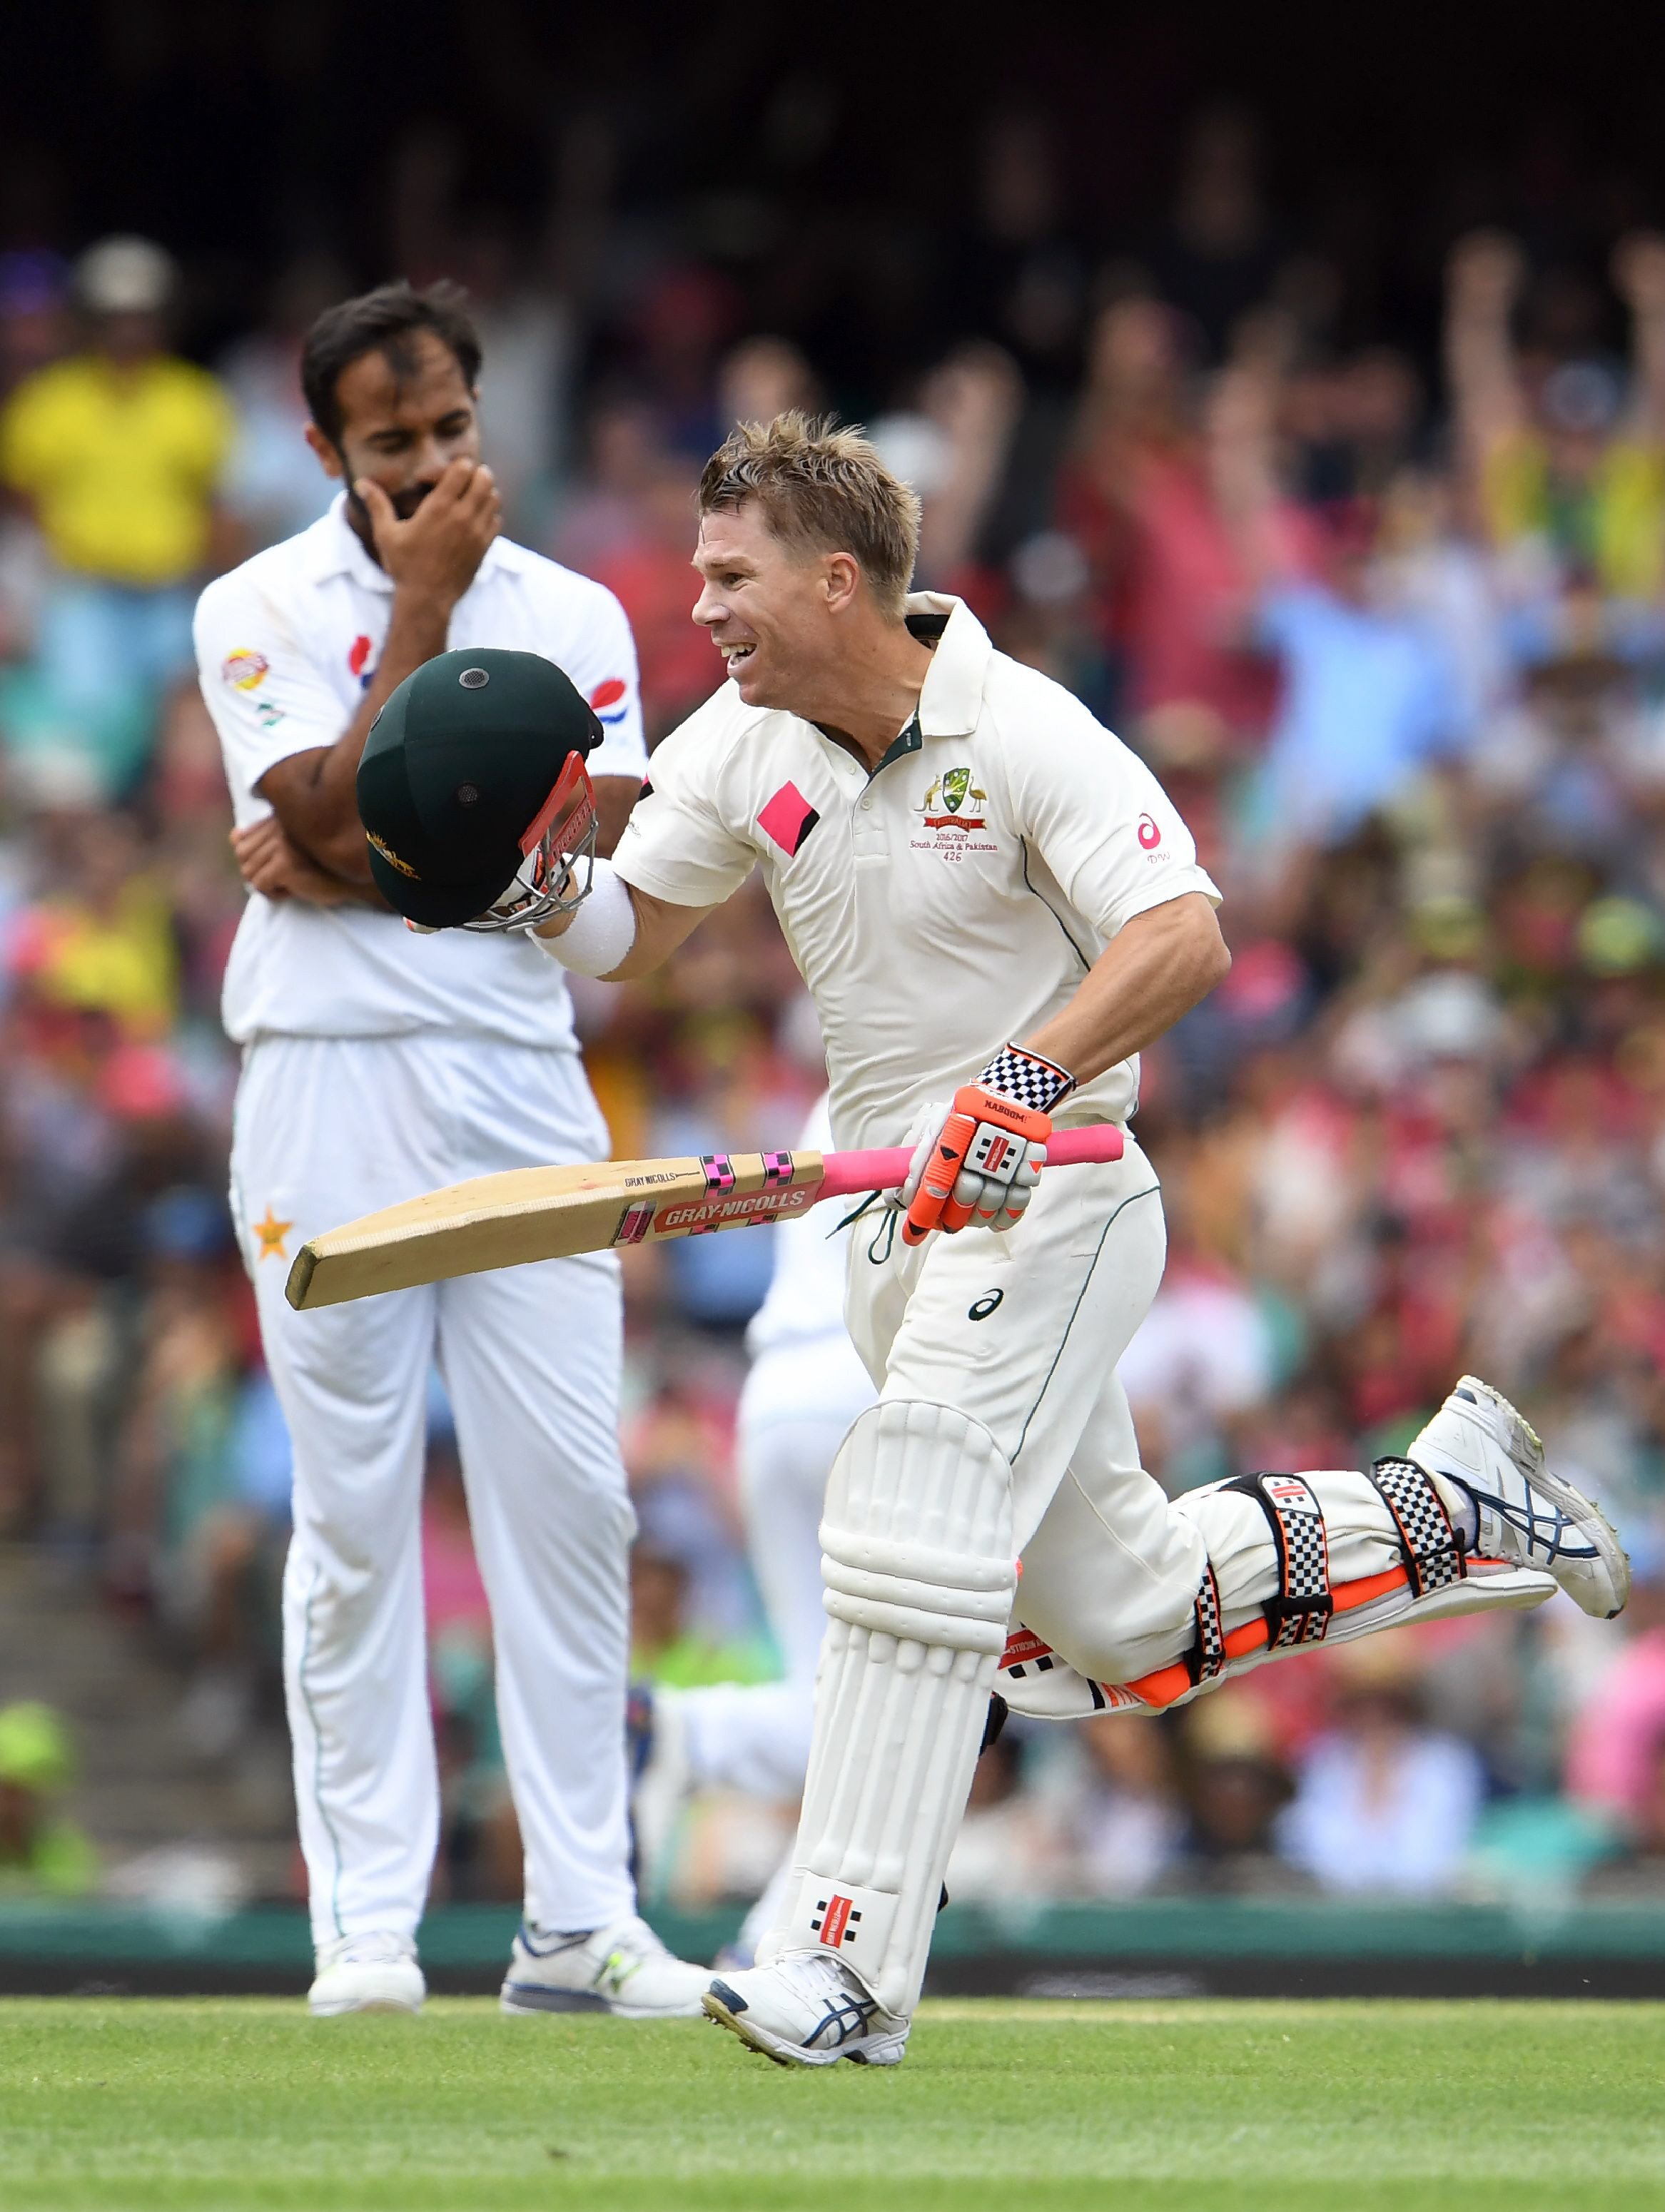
(286, 647)
(949, 901)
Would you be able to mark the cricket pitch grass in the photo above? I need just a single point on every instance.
(1115, 2106)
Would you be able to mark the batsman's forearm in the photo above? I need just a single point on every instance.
(1156, 969)
(619, 932)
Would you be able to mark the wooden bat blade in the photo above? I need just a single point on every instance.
(551, 1213)
(547, 1213)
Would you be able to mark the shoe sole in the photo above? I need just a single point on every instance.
(783, 2053)
(367, 2004)
(524, 1999)
(1567, 1498)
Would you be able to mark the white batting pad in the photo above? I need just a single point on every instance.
(1101, 1670)
(920, 1574)
(1360, 1542)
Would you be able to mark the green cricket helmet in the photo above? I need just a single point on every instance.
(474, 794)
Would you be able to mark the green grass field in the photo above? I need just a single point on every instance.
(1120, 2106)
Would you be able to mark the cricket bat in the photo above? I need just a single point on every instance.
(550, 1213)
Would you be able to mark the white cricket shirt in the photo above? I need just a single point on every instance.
(286, 647)
(948, 902)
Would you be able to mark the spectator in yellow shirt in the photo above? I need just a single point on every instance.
(117, 452)
(1560, 454)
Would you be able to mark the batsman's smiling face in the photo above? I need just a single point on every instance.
(770, 610)
(406, 414)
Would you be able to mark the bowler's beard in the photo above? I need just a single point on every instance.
(404, 503)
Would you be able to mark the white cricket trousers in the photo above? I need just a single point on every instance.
(799, 1401)
(1022, 1332)
(326, 1129)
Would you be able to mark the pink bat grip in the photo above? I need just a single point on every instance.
(846, 1173)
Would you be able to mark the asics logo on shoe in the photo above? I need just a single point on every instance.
(840, 2021)
(1544, 1530)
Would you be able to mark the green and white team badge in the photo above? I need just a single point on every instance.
(952, 815)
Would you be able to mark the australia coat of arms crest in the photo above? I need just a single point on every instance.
(954, 802)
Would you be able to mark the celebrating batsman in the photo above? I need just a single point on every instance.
(994, 906)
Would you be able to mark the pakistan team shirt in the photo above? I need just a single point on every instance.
(287, 647)
(947, 902)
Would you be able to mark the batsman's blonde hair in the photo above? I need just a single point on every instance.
(821, 490)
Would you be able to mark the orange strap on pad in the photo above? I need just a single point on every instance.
(1305, 1602)
(1167, 1684)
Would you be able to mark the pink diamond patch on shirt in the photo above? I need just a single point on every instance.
(788, 818)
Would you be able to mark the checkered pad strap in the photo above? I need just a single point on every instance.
(1027, 1077)
(1207, 1657)
(1300, 1614)
(1434, 1553)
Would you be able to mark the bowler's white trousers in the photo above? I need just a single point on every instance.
(326, 1129)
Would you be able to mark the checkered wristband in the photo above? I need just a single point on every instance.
(1028, 1078)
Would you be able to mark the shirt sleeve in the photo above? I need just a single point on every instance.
(1113, 839)
(266, 698)
(675, 845)
(602, 668)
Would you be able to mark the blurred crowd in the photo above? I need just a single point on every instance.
(1390, 624)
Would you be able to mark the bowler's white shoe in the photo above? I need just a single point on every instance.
(807, 2010)
(1526, 1514)
(622, 1968)
(367, 1973)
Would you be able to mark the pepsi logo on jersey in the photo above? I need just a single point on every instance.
(610, 701)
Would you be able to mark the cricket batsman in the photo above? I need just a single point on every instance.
(994, 906)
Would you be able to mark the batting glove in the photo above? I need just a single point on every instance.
(978, 1159)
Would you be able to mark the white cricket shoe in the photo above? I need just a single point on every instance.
(807, 2010)
(367, 1973)
(1479, 1442)
(622, 1968)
